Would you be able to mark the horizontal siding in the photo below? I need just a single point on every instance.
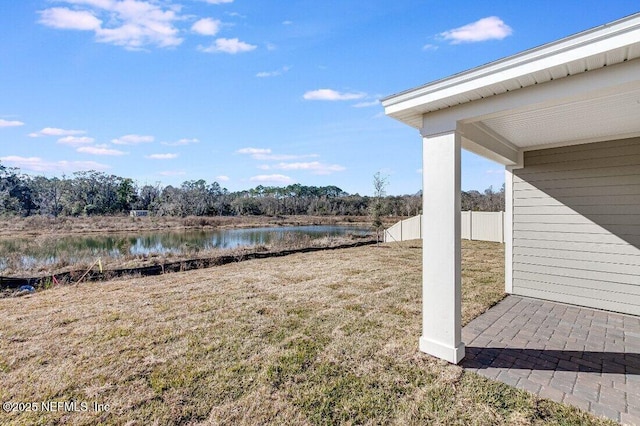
(577, 156)
(574, 228)
(590, 256)
(592, 211)
(598, 148)
(601, 171)
(603, 293)
(576, 225)
(610, 181)
(594, 202)
(594, 165)
(579, 246)
(601, 220)
(585, 274)
(605, 238)
(550, 260)
(562, 281)
(616, 306)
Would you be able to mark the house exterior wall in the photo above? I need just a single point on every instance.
(576, 225)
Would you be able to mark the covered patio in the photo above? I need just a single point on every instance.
(564, 120)
(583, 357)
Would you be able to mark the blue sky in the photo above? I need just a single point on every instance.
(249, 92)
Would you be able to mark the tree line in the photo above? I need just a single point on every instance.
(96, 193)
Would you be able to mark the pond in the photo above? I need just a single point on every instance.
(29, 253)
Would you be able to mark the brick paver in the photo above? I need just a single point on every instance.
(579, 356)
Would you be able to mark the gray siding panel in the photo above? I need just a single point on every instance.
(562, 282)
(617, 306)
(576, 225)
(602, 257)
(603, 171)
(569, 247)
(544, 270)
(579, 238)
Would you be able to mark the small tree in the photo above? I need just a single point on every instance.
(379, 184)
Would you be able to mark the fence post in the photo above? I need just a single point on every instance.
(470, 225)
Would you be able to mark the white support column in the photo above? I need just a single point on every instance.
(441, 282)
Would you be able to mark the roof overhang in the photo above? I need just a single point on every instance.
(583, 88)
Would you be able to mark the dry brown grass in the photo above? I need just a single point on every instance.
(317, 338)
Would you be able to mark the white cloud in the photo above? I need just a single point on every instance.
(282, 157)
(314, 166)
(271, 179)
(182, 142)
(490, 28)
(172, 173)
(167, 156)
(366, 104)
(37, 164)
(132, 24)
(67, 19)
(276, 73)
(76, 140)
(228, 45)
(331, 95)
(429, 46)
(206, 26)
(100, 150)
(54, 131)
(223, 178)
(254, 151)
(287, 22)
(235, 15)
(265, 154)
(218, 1)
(132, 140)
(10, 123)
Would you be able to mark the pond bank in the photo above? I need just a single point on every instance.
(42, 225)
(77, 276)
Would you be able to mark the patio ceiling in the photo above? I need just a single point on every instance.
(584, 88)
(597, 118)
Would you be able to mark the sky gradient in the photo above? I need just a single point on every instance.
(248, 92)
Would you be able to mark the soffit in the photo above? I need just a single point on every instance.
(597, 118)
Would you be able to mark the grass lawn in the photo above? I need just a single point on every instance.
(318, 338)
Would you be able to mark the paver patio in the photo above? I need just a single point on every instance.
(579, 356)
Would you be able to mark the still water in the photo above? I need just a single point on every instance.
(29, 253)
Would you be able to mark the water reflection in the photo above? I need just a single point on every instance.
(24, 253)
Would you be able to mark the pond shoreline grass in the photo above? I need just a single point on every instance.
(70, 225)
(314, 338)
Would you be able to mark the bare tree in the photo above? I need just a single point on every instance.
(379, 185)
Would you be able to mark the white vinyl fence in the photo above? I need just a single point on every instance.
(408, 229)
(481, 226)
